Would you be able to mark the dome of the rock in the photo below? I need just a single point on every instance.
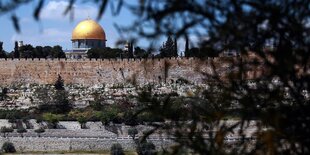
(88, 29)
(86, 35)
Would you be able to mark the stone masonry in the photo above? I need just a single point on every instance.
(108, 71)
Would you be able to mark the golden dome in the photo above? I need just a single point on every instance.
(88, 29)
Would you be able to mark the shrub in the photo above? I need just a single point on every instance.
(21, 131)
(8, 147)
(96, 105)
(182, 80)
(146, 148)
(59, 84)
(132, 132)
(12, 116)
(39, 119)
(149, 117)
(109, 114)
(40, 130)
(117, 149)
(52, 119)
(82, 120)
(61, 103)
(5, 130)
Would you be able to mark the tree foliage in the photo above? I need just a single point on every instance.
(28, 51)
(59, 84)
(54, 100)
(141, 53)
(130, 50)
(16, 53)
(6, 130)
(109, 114)
(3, 94)
(52, 119)
(82, 120)
(168, 48)
(117, 149)
(39, 131)
(203, 52)
(21, 130)
(8, 147)
(105, 53)
(145, 148)
(132, 132)
(2, 52)
(247, 27)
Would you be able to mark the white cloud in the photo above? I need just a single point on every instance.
(54, 10)
(49, 36)
(52, 32)
(25, 20)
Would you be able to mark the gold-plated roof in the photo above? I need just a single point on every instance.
(88, 29)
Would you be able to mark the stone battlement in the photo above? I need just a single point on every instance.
(106, 59)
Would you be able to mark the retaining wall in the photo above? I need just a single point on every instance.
(49, 144)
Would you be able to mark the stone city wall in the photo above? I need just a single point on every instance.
(107, 71)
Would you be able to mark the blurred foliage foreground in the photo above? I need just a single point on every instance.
(279, 100)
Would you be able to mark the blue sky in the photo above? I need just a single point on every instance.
(54, 28)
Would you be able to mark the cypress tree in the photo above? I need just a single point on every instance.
(186, 46)
(1, 44)
(2, 52)
(59, 84)
(130, 49)
(167, 50)
(16, 51)
(175, 47)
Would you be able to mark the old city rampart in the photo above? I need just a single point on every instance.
(109, 71)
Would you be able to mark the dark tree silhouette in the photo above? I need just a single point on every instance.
(141, 53)
(59, 84)
(187, 54)
(57, 52)
(249, 28)
(26, 51)
(16, 50)
(2, 52)
(175, 47)
(105, 53)
(57, 101)
(130, 49)
(117, 149)
(168, 48)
